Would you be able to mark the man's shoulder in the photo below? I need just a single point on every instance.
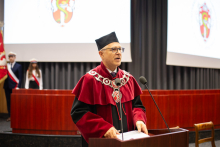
(124, 72)
(17, 64)
(84, 84)
(88, 76)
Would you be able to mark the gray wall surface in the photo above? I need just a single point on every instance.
(1, 10)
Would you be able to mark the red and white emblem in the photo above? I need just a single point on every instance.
(116, 95)
(205, 21)
(62, 10)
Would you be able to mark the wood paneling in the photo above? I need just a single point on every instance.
(42, 113)
(183, 110)
(48, 111)
(51, 132)
(3, 103)
(177, 138)
(44, 91)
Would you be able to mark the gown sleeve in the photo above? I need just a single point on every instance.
(27, 81)
(19, 76)
(87, 121)
(138, 110)
(41, 81)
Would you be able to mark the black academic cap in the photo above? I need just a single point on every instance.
(105, 40)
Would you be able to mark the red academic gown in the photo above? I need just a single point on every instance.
(94, 110)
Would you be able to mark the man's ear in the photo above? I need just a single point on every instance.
(101, 54)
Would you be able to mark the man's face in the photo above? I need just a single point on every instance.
(111, 60)
(12, 59)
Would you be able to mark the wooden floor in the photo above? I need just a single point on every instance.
(206, 144)
(4, 125)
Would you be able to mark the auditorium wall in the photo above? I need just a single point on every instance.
(148, 50)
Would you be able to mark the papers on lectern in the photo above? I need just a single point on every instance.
(132, 135)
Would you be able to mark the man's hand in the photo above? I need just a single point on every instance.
(141, 127)
(111, 133)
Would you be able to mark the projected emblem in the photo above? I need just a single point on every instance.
(205, 21)
(62, 10)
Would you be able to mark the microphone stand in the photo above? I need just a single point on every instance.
(121, 116)
(157, 107)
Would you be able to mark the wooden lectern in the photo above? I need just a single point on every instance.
(158, 138)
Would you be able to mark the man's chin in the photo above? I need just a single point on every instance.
(118, 64)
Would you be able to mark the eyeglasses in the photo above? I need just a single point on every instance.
(115, 49)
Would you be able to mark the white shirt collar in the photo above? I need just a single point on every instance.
(12, 64)
(112, 71)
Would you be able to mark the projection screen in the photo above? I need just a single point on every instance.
(193, 35)
(64, 30)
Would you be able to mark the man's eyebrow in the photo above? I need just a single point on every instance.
(117, 46)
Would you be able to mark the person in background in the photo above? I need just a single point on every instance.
(33, 76)
(13, 80)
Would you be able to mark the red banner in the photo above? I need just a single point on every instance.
(3, 63)
(36, 80)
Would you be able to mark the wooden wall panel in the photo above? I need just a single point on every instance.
(46, 132)
(44, 91)
(183, 110)
(42, 112)
(3, 103)
(49, 113)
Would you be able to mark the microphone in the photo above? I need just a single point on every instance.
(118, 83)
(144, 82)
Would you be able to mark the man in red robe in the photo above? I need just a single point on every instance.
(95, 110)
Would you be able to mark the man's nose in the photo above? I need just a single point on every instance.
(118, 52)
